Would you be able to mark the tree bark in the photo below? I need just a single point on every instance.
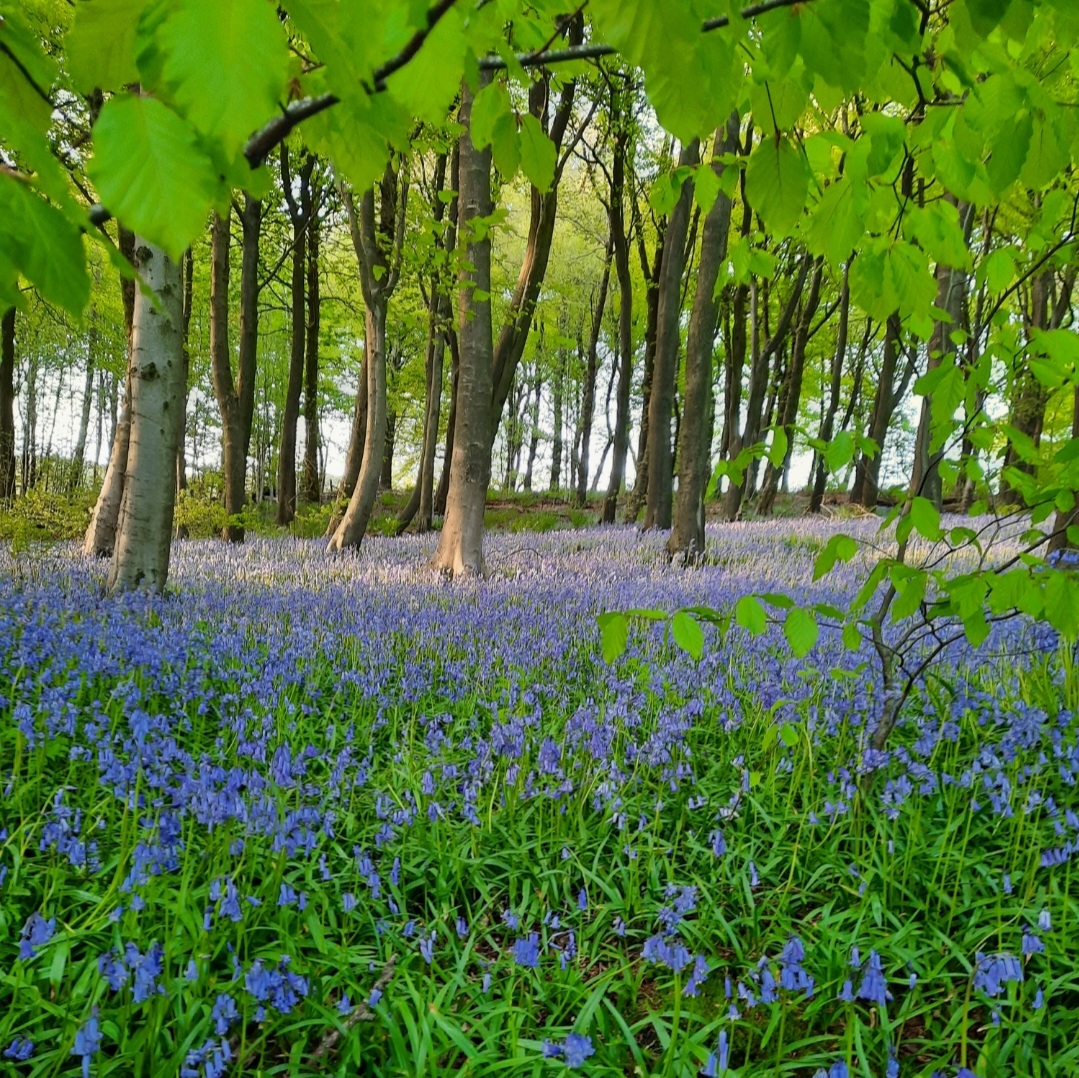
(534, 435)
(792, 398)
(867, 478)
(558, 381)
(839, 360)
(100, 535)
(7, 405)
(588, 399)
(312, 486)
(758, 385)
(286, 459)
(695, 434)
(620, 251)
(657, 512)
(421, 504)
(925, 478)
(378, 245)
(460, 544)
(144, 531)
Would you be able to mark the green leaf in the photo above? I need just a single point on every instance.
(750, 614)
(777, 183)
(705, 187)
(494, 124)
(667, 189)
(538, 155)
(788, 735)
(150, 172)
(801, 631)
(838, 548)
(101, 44)
(225, 66)
(44, 246)
(985, 15)
(688, 634)
(777, 451)
(926, 519)
(852, 637)
(839, 452)
(614, 635)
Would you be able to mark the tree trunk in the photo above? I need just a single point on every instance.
(557, 388)
(534, 435)
(312, 486)
(188, 273)
(620, 251)
(439, 307)
(442, 494)
(687, 535)
(385, 479)
(839, 359)
(7, 405)
(514, 333)
(78, 456)
(788, 413)
(460, 544)
(925, 478)
(657, 512)
(867, 479)
(100, 535)
(144, 531)
(651, 275)
(286, 459)
(758, 385)
(588, 400)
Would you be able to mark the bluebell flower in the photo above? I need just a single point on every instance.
(20, 1049)
(427, 947)
(1032, 943)
(374, 997)
(35, 934)
(1045, 921)
(344, 1005)
(994, 971)
(582, 899)
(526, 951)
(874, 988)
(577, 1049)
(462, 928)
(224, 1013)
(697, 977)
(87, 1042)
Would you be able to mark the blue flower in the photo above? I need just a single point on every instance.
(577, 1049)
(20, 1049)
(87, 1042)
(526, 951)
(35, 933)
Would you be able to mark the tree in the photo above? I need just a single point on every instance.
(460, 543)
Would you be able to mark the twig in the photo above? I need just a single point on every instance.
(360, 1013)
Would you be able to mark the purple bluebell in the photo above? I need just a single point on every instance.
(19, 1050)
(526, 951)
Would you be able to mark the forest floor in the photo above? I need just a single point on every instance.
(312, 815)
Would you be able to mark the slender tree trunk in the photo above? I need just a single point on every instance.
(312, 486)
(620, 252)
(100, 535)
(385, 480)
(144, 532)
(423, 496)
(1067, 520)
(668, 342)
(442, 494)
(354, 453)
(588, 400)
(7, 405)
(188, 273)
(867, 479)
(558, 401)
(534, 432)
(788, 413)
(758, 384)
(687, 534)
(640, 485)
(839, 360)
(286, 460)
(460, 544)
(233, 457)
(78, 456)
(925, 478)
